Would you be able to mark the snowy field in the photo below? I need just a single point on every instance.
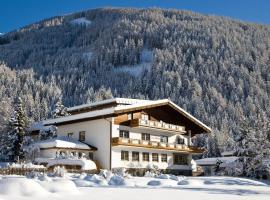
(96, 187)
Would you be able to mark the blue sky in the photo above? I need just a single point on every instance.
(17, 13)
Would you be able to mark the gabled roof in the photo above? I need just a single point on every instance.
(124, 106)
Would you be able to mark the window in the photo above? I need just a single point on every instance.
(146, 136)
(154, 157)
(130, 116)
(163, 157)
(145, 117)
(180, 159)
(80, 154)
(91, 156)
(82, 136)
(180, 140)
(124, 155)
(164, 139)
(70, 134)
(145, 156)
(135, 156)
(123, 134)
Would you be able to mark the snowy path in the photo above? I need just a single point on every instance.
(202, 188)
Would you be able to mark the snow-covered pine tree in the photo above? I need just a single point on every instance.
(212, 147)
(253, 145)
(19, 123)
(47, 132)
(8, 139)
(12, 141)
(60, 110)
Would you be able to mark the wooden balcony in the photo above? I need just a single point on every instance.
(116, 141)
(157, 125)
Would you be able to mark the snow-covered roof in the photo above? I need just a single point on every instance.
(227, 153)
(126, 101)
(124, 105)
(38, 126)
(90, 114)
(84, 163)
(63, 142)
(213, 161)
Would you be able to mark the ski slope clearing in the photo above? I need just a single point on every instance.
(98, 187)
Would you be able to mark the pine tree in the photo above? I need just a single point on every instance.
(253, 145)
(19, 123)
(12, 142)
(212, 147)
(7, 141)
(60, 110)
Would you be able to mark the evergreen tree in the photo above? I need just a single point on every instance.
(60, 110)
(253, 145)
(8, 140)
(19, 123)
(12, 142)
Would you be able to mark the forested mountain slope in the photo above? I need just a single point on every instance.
(216, 68)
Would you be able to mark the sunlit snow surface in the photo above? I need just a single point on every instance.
(137, 70)
(96, 187)
(81, 21)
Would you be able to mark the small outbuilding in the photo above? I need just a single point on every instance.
(65, 151)
(209, 165)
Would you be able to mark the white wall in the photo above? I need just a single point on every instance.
(97, 134)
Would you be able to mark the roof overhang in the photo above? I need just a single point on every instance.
(125, 109)
(121, 109)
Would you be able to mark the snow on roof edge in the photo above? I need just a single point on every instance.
(106, 101)
(62, 142)
(91, 114)
(213, 160)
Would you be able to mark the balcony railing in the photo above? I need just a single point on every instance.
(116, 141)
(157, 125)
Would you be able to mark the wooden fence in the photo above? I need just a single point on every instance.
(21, 171)
(25, 171)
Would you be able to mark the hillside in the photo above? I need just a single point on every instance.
(214, 67)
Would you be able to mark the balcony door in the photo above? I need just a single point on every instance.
(179, 140)
(146, 136)
(123, 134)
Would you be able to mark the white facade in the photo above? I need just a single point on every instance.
(136, 134)
(97, 134)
